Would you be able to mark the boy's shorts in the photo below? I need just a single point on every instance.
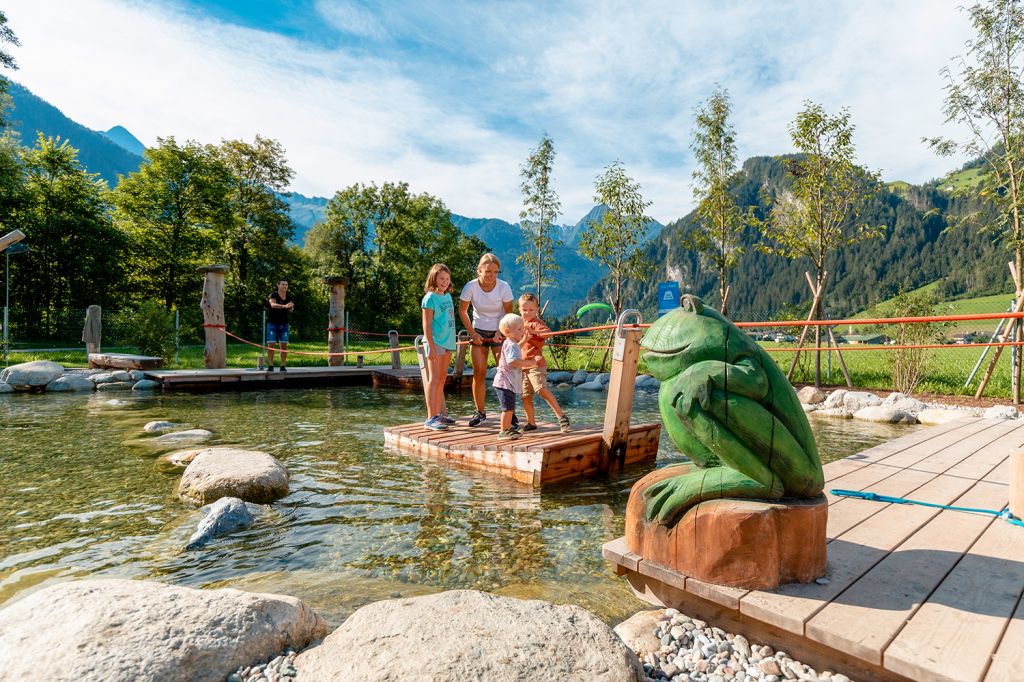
(535, 380)
(506, 399)
(277, 333)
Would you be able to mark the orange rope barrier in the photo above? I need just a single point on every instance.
(883, 320)
(880, 346)
(331, 355)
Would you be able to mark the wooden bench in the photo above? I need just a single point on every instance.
(124, 361)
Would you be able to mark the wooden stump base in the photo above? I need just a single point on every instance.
(749, 544)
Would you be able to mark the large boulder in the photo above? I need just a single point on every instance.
(6, 387)
(470, 635)
(646, 382)
(227, 472)
(188, 436)
(884, 414)
(637, 631)
(33, 375)
(177, 461)
(559, 377)
(101, 378)
(835, 399)
(809, 395)
(591, 386)
(832, 412)
(858, 400)
(1001, 412)
(146, 385)
(140, 631)
(114, 386)
(71, 382)
(157, 426)
(579, 377)
(911, 405)
(136, 375)
(604, 378)
(224, 516)
(121, 375)
(934, 416)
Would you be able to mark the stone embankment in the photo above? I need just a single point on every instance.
(895, 408)
(43, 375)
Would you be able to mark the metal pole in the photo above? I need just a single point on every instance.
(177, 336)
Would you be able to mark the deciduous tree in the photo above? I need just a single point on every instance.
(541, 207)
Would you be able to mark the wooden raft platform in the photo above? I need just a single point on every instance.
(913, 592)
(409, 378)
(237, 378)
(539, 457)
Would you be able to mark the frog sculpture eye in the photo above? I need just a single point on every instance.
(730, 409)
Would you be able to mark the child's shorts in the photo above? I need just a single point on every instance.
(506, 399)
(535, 380)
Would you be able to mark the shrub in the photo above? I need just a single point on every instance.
(909, 365)
(150, 329)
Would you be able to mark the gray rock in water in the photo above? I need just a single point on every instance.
(591, 386)
(911, 405)
(153, 427)
(559, 377)
(137, 374)
(579, 377)
(470, 635)
(147, 631)
(190, 436)
(229, 472)
(809, 395)
(835, 399)
(894, 397)
(6, 388)
(121, 375)
(31, 375)
(884, 414)
(115, 386)
(146, 385)
(1001, 412)
(224, 516)
(935, 416)
(604, 378)
(71, 382)
(832, 412)
(858, 400)
(102, 378)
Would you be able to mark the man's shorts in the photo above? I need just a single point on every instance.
(535, 380)
(277, 333)
(506, 399)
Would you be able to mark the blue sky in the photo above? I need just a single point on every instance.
(451, 96)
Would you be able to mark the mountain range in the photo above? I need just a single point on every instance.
(117, 152)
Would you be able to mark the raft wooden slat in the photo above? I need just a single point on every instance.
(236, 378)
(538, 458)
(409, 378)
(124, 361)
(913, 592)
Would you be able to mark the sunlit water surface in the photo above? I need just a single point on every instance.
(85, 495)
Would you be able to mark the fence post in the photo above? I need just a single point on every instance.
(460, 356)
(1017, 484)
(336, 320)
(619, 408)
(92, 333)
(421, 358)
(177, 335)
(396, 356)
(6, 326)
(215, 354)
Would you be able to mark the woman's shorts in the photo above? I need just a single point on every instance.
(487, 337)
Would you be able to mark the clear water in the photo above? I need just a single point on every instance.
(85, 495)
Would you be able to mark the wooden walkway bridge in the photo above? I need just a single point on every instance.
(911, 592)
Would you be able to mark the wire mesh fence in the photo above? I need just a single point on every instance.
(953, 359)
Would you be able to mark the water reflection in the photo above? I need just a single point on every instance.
(86, 496)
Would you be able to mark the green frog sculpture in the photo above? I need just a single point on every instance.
(731, 410)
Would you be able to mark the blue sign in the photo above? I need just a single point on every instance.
(668, 297)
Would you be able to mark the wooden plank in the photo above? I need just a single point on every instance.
(1008, 661)
(997, 436)
(962, 439)
(866, 617)
(883, 450)
(954, 634)
(848, 512)
(841, 467)
(124, 361)
(981, 463)
(851, 555)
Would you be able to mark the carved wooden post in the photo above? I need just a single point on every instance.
(421, 358)
(396, 356)
(215, 355)
(1017, 484)
(460, 355)
(625, 355)
(336, 320)
(92, 332)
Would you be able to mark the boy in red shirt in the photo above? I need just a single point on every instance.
(535, 379)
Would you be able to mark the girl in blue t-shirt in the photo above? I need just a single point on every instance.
(439, 333)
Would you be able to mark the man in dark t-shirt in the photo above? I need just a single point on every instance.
(280, 304)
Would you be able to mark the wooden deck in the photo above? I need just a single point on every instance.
(236, 378)
(539, 457)
(912, 592)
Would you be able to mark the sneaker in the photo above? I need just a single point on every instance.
(563, 424)
(529, 427)
(515, 421)
(508, 435)
(478, 419)
(282, 368)
(445, 419)
(435, 425)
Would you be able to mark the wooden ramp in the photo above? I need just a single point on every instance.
(236, 378)
(912, 592)
(539, 457)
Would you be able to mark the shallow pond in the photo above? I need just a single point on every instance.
(84, 495)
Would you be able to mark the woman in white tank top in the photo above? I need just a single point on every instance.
(491, 299)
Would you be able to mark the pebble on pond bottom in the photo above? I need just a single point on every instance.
(278, 669)
(693, 651)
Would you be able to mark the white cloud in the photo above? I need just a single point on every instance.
(457, 115)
